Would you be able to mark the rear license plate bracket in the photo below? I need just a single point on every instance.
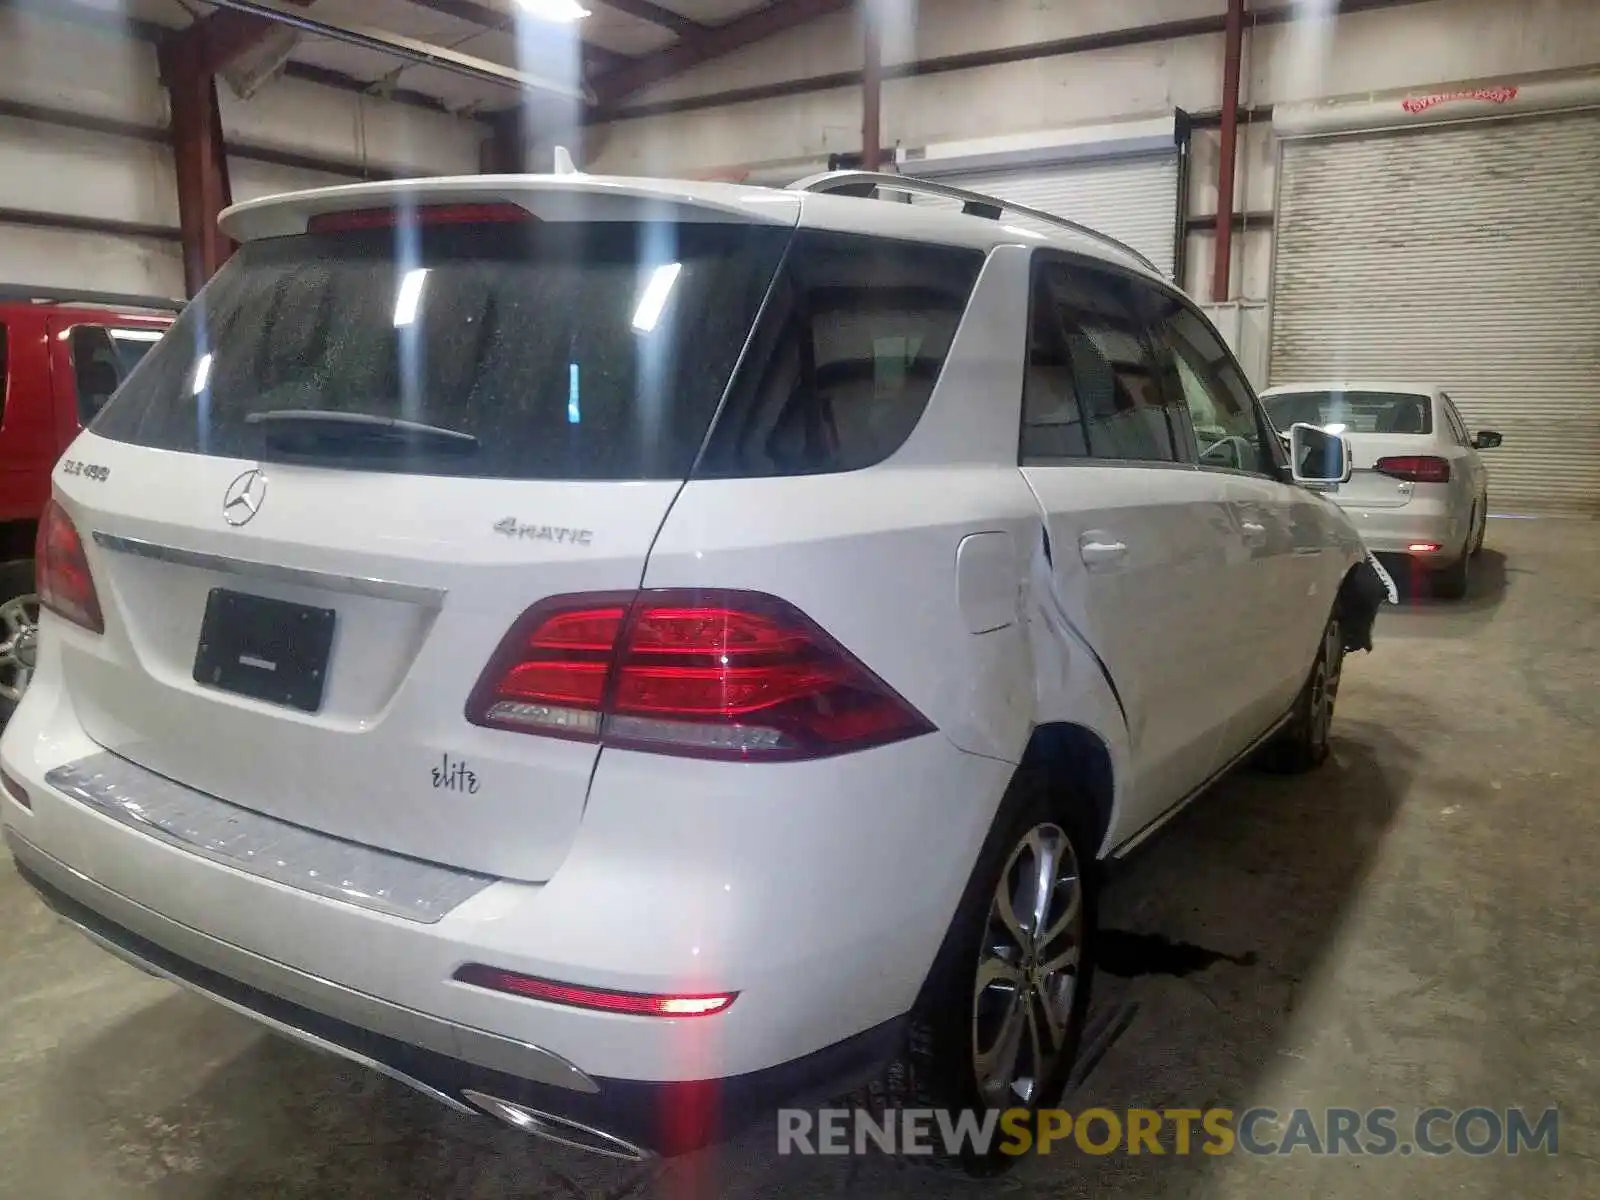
(266, 649)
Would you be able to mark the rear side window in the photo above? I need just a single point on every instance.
(1358, 412)
(1092, 387)
(508, 350)
(96, 369)
(1458, 427)
(1223, 429)
(850, 346)
(132, 345)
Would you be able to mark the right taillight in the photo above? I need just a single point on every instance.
(66, 587)
(1417, 468)
(708, 674)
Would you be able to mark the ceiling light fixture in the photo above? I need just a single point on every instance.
(409, 297)
(655, 297)
(565, 11)
(202, 375)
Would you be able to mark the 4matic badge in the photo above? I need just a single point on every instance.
(560, 534)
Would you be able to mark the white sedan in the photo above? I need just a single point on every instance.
(1419, 488)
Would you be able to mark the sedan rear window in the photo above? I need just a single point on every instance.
(510, 350)
(1358, 412)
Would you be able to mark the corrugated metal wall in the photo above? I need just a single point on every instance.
(1466, 255)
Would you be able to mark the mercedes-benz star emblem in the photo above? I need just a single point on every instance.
(244, 496)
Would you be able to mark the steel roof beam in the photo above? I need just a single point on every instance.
(615, 86)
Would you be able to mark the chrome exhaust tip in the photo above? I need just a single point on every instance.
(558, 1129)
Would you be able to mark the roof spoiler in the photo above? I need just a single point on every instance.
(563, 196)
(26, 293)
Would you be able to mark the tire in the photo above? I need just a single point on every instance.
(19, 625)
(1483, 525)
(1452, 582)
(956, 1058)
(1303, 744)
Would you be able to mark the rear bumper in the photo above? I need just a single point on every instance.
(1423, 522)
(705, 877)
(623, 1118)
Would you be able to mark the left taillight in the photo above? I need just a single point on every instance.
(66, 586)
(1415, 468)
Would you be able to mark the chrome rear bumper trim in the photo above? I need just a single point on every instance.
(564, 1132)
(264, 846)
(327, 581)
(318, 995)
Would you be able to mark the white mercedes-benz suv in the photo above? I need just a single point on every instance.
(617, 655)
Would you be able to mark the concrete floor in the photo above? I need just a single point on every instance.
(1414, 925)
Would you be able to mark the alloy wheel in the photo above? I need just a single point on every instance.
(19, 634)
(1325, 683)
(1027, 970)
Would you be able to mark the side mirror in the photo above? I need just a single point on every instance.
(1319, 457)
(1486, 439)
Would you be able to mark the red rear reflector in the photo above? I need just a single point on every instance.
(1418, 468)
(426, 214)
(635, 1004)
(714, 674)
(65, 586)
(15, 790)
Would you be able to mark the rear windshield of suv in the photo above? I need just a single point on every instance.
(1358, 412)
(512, 350)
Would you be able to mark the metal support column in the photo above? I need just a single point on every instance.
(201, 163)
(871, 90)
(1227, 152)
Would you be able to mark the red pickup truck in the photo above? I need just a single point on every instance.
(62, 355)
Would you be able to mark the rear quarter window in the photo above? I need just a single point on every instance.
(848, 350)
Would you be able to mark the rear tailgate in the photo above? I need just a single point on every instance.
(1370, 488)
(421, 589)
(320, 504)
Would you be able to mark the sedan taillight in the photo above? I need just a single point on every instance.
(707, 674)
(1416, 468)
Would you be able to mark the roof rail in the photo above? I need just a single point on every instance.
(974, 204)
(27, 293)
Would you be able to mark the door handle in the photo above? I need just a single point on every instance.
(1101, 550)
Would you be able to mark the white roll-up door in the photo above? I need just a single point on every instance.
(1466, 255)
(1134, 200)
